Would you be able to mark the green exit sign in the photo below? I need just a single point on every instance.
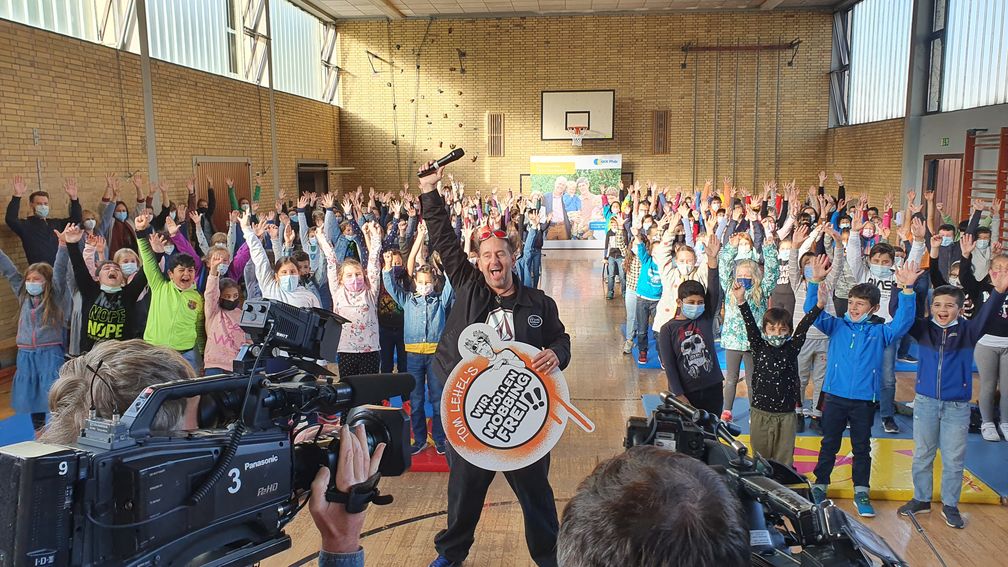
(944, 142)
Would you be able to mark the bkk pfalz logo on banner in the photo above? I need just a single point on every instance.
(498, 413)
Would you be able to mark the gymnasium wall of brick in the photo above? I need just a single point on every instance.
(87, 103)
(870, 157)
(752, 122)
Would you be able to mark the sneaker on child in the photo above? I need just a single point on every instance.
(642, 357)
(914, 507)
(989, 432)
(627, 346)
(889, 425)
(818, 494)
(952, 517)
(442, 561)
(863, 504)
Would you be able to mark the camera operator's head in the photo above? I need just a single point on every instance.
(124, 369)
(652, 507)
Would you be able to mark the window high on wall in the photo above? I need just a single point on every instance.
(969, 54)
(879, 55)
(223, 37)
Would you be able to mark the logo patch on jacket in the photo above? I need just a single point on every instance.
(535, 321)
(192, 305)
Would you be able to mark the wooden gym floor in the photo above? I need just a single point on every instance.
(607, 386)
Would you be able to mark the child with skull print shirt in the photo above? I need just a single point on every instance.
(686, 344)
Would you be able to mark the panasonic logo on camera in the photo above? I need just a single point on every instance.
(262, 462)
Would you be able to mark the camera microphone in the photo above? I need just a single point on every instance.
(455, 154)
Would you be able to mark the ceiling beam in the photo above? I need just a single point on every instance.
(388, 8)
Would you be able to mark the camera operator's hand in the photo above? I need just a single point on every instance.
(339, 529)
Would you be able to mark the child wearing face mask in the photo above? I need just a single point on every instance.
(281, 281)
(649, 287)
(759, 284)
(857, 345)
(878, 272)
(39, 336)
(774, 383)
(222, 309)
(424, 314)
(944, 389)
(686, 342)
(108, 303)
(355, 298)
(390, 315)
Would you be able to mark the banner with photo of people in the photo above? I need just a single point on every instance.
(570, 192)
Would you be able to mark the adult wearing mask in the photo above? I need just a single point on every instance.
(491, 293)
(38, 231)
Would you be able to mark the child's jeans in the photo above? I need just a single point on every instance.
(630, 301)
(939, 425)
(837, 413)
(615, 268)
(887, 397)
(646, 309)
(427, 388)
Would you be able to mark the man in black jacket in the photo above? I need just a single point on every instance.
(36, 231)
(491, 293)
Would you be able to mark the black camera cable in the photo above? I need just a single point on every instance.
(229, 451)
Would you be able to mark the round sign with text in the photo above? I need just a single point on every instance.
(498, 412)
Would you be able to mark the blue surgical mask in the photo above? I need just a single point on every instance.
(946, 241)
(121, 216)
(700, 248)
(111, 289)
(89, 224)
(692, 311)
(368, 217)
(289, 283)
(860, 319)
(807, 272)
(129, 268)
(312, 241)
(746, 283)
(34, 288)
(982, 244)
(881, 272)
(170, 249)
(172, 215)
(42, 210)
(223, 268)
(775, 340)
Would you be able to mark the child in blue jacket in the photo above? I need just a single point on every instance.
(853, 377)
(944, 390)
(424, 314)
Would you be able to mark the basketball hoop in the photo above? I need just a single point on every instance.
(577, 135)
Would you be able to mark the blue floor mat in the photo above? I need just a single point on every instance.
(15, 429)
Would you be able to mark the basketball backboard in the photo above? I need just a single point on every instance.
(593, 110)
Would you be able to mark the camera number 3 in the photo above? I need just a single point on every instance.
(235, 476)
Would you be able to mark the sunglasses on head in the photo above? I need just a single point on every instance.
(487, 232)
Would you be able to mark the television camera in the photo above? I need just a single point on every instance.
(774, 497)
(125, 494)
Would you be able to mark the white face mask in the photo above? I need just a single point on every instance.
(684, 268)
(425, 289)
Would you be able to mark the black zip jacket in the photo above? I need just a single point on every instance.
(536, 319)
(36, 233)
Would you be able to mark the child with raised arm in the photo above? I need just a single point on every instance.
(175, 319)
(222, 309)
(775, 383)
(686, 342)
(424, 314)
(944, 389)
(853, 381)
(355, 297)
